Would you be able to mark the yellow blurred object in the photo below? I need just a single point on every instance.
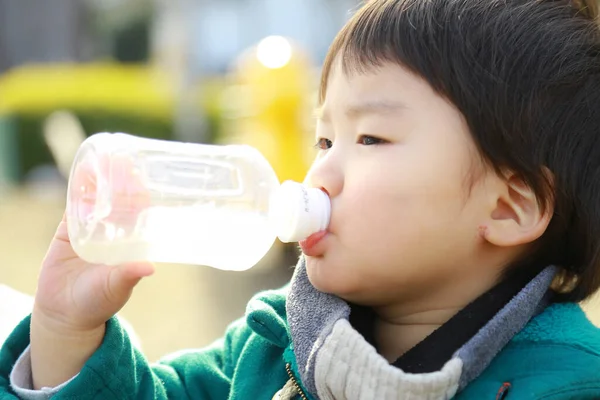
(106, 86)
(269, 100)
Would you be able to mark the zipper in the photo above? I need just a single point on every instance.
(288, 368)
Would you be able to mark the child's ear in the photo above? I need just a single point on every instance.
(518, 217)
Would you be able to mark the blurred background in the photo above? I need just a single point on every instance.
(206, 71)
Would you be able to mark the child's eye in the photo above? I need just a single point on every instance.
(324, 144)
(370, 140)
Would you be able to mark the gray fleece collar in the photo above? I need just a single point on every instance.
(312, 315)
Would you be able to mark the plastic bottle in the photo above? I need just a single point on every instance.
(132, 199)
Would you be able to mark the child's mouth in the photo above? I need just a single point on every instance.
(309, 245)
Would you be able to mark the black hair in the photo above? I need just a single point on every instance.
(526, 76)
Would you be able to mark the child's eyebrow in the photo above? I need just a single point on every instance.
(381, 107)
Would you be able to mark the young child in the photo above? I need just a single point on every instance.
(460, 145)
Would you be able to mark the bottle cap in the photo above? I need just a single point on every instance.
(296, 211)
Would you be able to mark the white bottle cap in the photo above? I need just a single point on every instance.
(296, 211)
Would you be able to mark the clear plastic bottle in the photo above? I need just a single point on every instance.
(132, 199)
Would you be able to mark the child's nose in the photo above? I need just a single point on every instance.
(325, 175)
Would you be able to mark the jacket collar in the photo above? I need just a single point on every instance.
(319, 325)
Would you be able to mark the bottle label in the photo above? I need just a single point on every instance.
(192, 177)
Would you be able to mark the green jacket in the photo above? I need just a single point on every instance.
(314, 351)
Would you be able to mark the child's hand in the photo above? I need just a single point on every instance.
(75, 296)
(74, 299)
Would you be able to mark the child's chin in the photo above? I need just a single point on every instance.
(323, 277)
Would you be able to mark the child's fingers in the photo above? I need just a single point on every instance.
(62, 232)
(123, 279)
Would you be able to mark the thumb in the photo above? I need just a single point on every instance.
(62, 233)
(123, 279)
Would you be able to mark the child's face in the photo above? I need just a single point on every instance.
(406, 213)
